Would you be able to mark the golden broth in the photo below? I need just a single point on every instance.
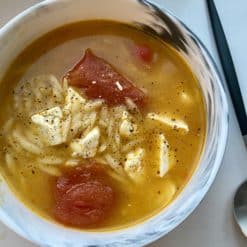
(171, 88)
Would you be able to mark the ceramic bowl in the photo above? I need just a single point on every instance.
(50, 14)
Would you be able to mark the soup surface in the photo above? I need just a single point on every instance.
(102, 125)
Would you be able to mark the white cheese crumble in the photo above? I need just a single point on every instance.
(119, 86)
(163, 155)
(133, 163)
(86, 147)
(74, 106)
(53, 125)
(171, 122)
(127, 128)
(74, 101)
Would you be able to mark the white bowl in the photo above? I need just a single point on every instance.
(50, 14)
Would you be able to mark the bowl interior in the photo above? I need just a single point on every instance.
(48, 15)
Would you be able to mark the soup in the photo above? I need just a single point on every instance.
(102, 125)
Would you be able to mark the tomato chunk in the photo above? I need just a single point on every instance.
(82, 196)
(143, 52)
(99, 79)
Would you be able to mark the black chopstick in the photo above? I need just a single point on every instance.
(228, 67)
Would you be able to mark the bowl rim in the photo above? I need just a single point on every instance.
(224, 132)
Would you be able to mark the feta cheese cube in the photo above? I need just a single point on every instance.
(53, 125)
(133, 163)
(74, 106)
(86, 146)
(163, 155)
(171, 122)
(74, 101)
(127, 128)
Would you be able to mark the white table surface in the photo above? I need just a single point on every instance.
(211, 224)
